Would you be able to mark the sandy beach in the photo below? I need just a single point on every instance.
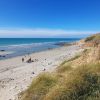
(16, 76)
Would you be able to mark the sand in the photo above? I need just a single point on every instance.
(5, 52)
(16, 76)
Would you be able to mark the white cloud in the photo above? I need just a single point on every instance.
(40, 33)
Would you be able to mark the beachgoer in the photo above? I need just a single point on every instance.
(22, 59)
(44, 69)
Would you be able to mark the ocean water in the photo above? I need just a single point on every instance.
(22, 46)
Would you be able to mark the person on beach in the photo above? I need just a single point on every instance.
(44, 69)
(29, 60)
(22, 59)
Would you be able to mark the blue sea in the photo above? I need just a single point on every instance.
(22, 46)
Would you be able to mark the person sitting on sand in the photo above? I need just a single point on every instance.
(29, 60)
(44, 69)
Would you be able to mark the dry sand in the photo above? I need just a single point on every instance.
(16, 76)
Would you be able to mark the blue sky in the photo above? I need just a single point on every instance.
(49, 18)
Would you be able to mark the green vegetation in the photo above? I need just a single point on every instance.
(95, 37)
(86, 51)
(72, 59)
(89, 38)
(64, 68)
(39, 87)
(82, 83)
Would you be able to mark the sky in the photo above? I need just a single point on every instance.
(49, 18)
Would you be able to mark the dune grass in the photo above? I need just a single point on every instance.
(64, 68)
(95, 37)
(89, 38)
(66, 65)
(86, 51)
(72, 59)
(82, 83)
(39, 87)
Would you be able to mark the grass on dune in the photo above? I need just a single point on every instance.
(85, 51)
(81, 84)
(40, 86)
(95, 37)
(89, 38)
(64, 68)
(72, 59)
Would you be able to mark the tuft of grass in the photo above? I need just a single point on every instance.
(39, 87)
(64, 62)
(64, 68)
(74, 58)
(86, 50)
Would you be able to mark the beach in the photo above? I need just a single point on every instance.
(17, 74)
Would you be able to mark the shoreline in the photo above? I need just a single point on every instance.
(22, 49)
(16, 76)
(12, 53)
(4, 53)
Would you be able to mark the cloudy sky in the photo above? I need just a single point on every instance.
(49, 18)
(43, 33)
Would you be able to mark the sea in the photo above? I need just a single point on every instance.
(23, 46)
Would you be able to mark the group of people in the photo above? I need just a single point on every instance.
(28, 61)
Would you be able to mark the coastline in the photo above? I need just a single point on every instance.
(16, 76)
(21, 47)
(21, 50)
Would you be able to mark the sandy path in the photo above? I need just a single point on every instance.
(16, 76)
